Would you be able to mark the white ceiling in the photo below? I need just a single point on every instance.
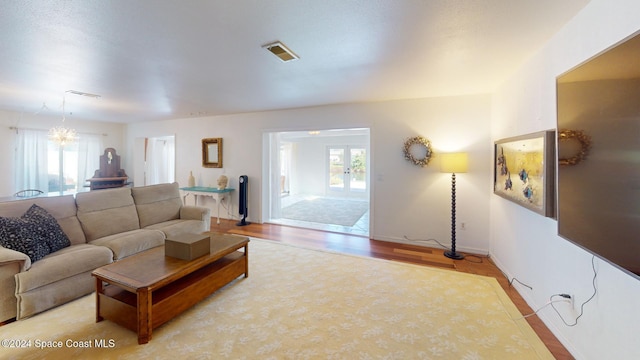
(161, 59)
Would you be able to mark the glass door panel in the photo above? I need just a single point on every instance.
(337, 169)
(348, 170)
(358, 169)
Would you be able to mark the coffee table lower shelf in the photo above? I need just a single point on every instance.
(143, 311)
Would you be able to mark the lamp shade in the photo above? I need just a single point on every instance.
(454, 162)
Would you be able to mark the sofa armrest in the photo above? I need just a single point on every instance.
(203, 214)
(8, 256)
(11, 263)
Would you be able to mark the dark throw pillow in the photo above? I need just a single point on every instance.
(36, 233)
(18, 235)
(47, 227)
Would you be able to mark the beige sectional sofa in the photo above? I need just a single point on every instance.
(102, 226)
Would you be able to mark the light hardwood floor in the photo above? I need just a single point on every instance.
(398, 252)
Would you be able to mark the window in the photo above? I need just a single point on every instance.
(39, 161)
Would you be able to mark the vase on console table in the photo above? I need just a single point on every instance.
(192, 180)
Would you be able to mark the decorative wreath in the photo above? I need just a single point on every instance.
(417, 141)
(585, 145)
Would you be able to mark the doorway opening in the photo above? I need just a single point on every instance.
(320, 180)
(347, 170)
(155, 160)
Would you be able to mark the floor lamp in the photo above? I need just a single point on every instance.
(453, 163)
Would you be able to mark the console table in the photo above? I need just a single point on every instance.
(214, 193)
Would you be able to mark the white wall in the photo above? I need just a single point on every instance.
(114, 138)
(524, 244)
(309, 177)
(311, 162)
(416, 202)
(407, 200)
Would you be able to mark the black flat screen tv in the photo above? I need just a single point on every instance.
(598, 188)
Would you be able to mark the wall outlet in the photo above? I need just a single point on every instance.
(463, 226)
(570, 299)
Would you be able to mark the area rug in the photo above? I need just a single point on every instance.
(304, 304)
(326, 211)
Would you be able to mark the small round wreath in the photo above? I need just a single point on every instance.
(585, 145)
(421, 142)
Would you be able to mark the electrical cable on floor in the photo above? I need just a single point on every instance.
(448, 248)
(595, 291)
(520, 282)
(542, 307)
(427, 240)
(229, 215)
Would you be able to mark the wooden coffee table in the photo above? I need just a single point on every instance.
(145, 290)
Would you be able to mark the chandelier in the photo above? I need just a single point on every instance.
(61, 134)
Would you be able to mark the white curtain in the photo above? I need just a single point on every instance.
(161, 161)
(32, 151)
(90, 147)
(170, 155)
(31, 160)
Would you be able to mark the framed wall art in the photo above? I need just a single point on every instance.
(524, 171)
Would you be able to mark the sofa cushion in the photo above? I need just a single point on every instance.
(157, 203)
(106, 212)
(36, 233)
(176, 227)
(131, 242)
(62, 264)
(54, 294)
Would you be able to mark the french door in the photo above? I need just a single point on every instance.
(347, 171)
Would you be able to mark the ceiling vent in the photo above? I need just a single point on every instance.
(282, 52)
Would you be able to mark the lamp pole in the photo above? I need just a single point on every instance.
(452, 254)
(453, 163)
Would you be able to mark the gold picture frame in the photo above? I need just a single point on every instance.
(212, 152)
(524, 171)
